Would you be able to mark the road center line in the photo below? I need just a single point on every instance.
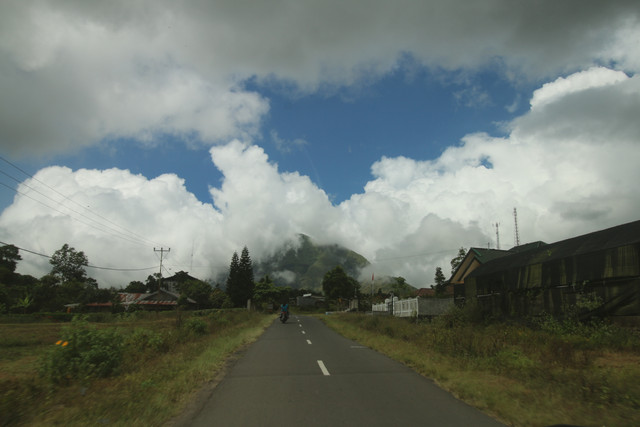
(309, 342)
(303, 332)
(323, 368)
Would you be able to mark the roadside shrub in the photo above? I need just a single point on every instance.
(371, 323)
(458, 316)
(515, 362)
(100, 317)
(196, 326)
(145, 340)
(220, 318)
(83, 352)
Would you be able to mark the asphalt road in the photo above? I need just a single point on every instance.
(303, 373)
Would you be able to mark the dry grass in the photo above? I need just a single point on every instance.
(522, 376)
(154, 385)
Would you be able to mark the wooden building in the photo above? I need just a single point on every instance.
(596, 273)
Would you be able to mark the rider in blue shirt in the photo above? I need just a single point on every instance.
(284, 307)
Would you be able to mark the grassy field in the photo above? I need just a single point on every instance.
(524, 375)
(146, 368)
(142, 369)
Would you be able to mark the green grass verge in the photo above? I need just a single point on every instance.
(155, 382)
(519, 375)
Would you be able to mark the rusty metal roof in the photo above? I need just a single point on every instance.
(160, 297)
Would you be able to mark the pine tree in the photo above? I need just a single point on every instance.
(440, 281)
(240, 283)
(233, 281)
(246, 275)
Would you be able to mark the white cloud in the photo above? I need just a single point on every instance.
(263, 206)
(411, 217)
(74, 73)
(568, 166)
(116, 218)
(593, 78)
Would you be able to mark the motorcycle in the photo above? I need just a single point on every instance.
(284, 316)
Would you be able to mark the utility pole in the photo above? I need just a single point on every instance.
(162, 251)
(516, 234)
(371, 292)
(498, 236)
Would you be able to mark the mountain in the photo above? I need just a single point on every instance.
(303, 264)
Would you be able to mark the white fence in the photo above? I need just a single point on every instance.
(415, 306)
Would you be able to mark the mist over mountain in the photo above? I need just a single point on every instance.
(303, 264)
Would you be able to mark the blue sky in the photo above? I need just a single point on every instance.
(333, 137)
(401, 131)
(416, 117)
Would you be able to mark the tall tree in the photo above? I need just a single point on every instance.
(9, 257)
(337, 284)
(234, 286)
(136, 286)
(245, 277)
(266, 292)
(153, 282)
(246, 273)
(198, 291)
(68, 265)
(455, 262)
(400, 287)
(440, 281)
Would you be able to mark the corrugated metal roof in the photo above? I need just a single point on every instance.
(160, 297)
(614, 237)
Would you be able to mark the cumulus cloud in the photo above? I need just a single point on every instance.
(117, 219)
(411, 217)
(73, 74)
(575, 83)
(565, 165)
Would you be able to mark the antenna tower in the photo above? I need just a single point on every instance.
(517, 235)
(498, 236)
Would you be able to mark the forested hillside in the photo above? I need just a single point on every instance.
(303, 265)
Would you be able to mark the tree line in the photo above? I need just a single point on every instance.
(68, 283)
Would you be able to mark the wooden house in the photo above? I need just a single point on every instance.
(596, 273)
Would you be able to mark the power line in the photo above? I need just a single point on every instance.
(142, 240)
(88, 266)
(124, 237)
(416, 255)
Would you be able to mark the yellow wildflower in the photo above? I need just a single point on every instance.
(59, 342)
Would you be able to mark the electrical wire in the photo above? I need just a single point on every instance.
(131, 236)
(415, 255)
(74, 218)
(88, 265)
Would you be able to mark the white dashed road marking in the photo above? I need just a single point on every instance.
(323, 368)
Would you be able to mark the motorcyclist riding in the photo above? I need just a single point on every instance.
(284, 312)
